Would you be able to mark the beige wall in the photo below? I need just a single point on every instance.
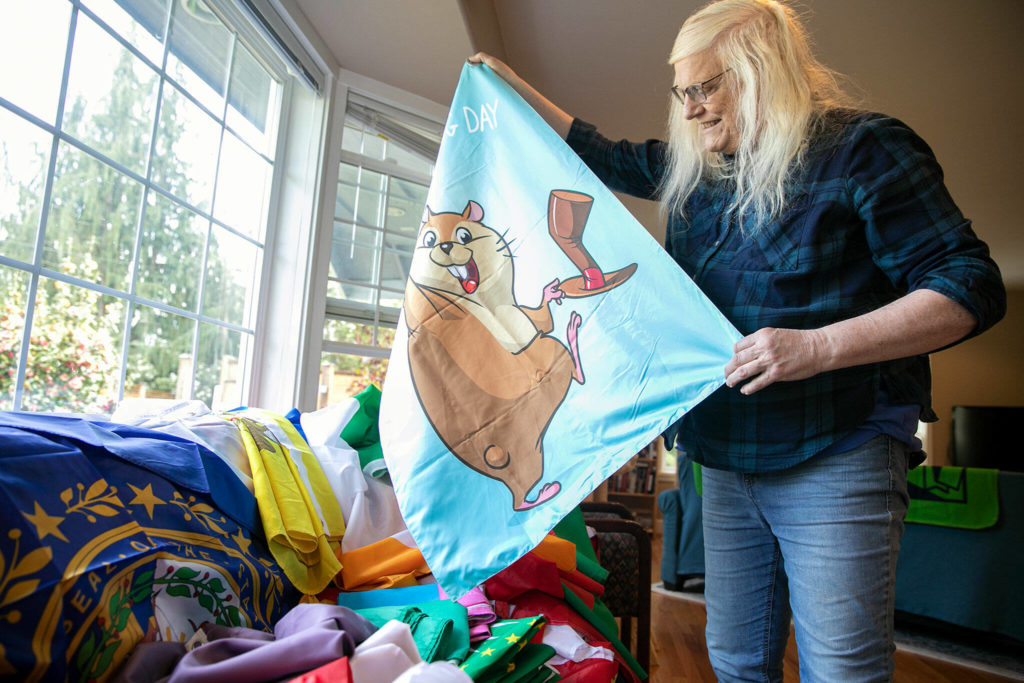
(987, 371)
(952, 71)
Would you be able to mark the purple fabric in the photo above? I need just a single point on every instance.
(480, 612)
(478, 607)
(150, 662)
(305, 616)
(307, 637)
(474, 599)
(479, 632)
(218, 632)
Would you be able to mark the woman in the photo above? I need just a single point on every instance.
(827, 237)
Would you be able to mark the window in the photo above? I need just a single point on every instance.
(386, 159)
(137, 156)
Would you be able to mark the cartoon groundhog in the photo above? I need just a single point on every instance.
(485, 370)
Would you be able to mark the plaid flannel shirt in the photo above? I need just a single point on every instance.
(869, 219)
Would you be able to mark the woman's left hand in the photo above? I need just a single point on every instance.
(775, 355)
(919, 322)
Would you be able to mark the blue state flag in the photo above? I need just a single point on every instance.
(545, 339)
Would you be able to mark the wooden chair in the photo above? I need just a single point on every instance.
(625, 551)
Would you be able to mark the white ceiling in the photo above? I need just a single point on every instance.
(949, 69)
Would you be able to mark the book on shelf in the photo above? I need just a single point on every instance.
(637, 477)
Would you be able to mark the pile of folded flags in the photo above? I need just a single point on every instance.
(175, 543)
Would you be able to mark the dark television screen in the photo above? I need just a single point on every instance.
(988, 436)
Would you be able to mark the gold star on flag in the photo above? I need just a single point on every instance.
(511, 667)
(45, 524)
(242, 541)
(511, 638)
(146, 498)
(487, 653)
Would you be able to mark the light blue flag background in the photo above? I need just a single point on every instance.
(651, 348)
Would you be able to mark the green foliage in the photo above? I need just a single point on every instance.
(369, 370)
(74, 346)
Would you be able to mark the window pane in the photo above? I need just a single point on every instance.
(159, 354)
(170, 253)
(90, 231)
(365, 142)
(360, 334)
(406, 202)
(142, 22)
(13, 297)
(396, 261)
(185, 159)
(200, 51)
(33, 40)
(343, 376)
(373, 145)
(218, 377)
(74, 354)
(352, 137)
(370, 198)
(669, 460)
(345, 202)
(231, 270)
(111, 97)
(243, 187)
(252, 101)
(354, 253)
(353, 294)
(391, 302)
(409, 160)
(347, 233)
(24, 156)
(348, 174)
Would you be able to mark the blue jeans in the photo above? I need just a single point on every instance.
(816, 543)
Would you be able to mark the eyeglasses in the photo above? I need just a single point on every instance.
(695, 92)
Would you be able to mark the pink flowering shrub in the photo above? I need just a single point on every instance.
(74, 346)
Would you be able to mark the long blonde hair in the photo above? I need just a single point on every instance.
(781, 95)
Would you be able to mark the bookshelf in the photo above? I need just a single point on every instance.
(635, 485)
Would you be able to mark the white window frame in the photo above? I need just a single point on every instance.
(288, 285)
(346, 82)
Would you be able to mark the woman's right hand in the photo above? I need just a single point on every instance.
(555, 117)
(499, 67)
(493, 62)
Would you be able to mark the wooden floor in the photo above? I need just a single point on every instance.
(678, 652)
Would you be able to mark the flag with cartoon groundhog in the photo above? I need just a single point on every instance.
(545, 339)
